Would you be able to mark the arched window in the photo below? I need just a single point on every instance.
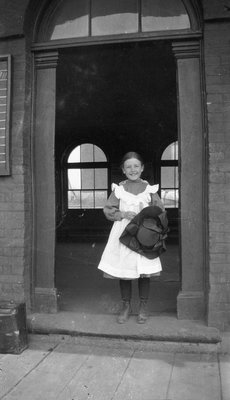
(87, 177)
(169, 176)
(90, 18)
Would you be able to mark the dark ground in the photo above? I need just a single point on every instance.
(82, 287)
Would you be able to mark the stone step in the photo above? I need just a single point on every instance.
(163, 333)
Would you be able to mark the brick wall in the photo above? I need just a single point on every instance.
(15, 199)
(217, 68)
(15, 190)
(12, 17)
(215, 8)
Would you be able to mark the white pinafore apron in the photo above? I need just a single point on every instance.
(117, 260)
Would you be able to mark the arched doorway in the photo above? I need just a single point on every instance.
(100, 23)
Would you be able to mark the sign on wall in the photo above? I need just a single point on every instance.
(5, 78)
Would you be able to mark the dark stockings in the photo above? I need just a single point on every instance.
(144, 286)
(126, 289)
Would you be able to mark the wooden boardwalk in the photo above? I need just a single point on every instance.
(71, 369)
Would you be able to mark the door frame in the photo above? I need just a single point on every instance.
(187, 49)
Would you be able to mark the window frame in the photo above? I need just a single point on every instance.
(82, 165)
(5, 169)
(40, 41)
(170, 163)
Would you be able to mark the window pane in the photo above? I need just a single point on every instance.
(101, 178)
(170, 198)
(100, 198)
(69, 20)
(169, 177)
(99, 155)
(114, 16)
(74, 199)
(171, 152)
(74, 155)
(87, 152)
(87, 178)
(87, 199)
(74, 178)
(160, 15)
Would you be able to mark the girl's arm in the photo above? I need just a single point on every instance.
(112, 212)
(111, 209)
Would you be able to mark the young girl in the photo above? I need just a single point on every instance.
(118, 261)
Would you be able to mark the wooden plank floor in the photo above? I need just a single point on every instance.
(67, 370)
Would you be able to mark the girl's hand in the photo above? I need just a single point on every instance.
(128, 214)
(141, 206)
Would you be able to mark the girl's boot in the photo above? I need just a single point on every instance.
(143, 312)
(124, 313)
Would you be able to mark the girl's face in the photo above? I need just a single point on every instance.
(133, 169)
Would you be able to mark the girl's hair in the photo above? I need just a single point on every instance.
(131, 154)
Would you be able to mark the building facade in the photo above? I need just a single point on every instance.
(188, 46)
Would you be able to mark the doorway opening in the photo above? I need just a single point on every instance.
(117, 97)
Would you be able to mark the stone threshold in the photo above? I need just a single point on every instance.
(160, 331)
